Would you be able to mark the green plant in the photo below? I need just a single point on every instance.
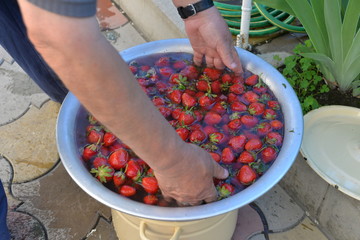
(304, 76)
(333, 29)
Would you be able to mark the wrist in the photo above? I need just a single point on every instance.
(189, 8)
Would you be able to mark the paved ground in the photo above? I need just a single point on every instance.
(45, 203)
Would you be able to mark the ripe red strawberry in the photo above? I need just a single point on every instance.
(175, 78)
(234, 124)
(263, 128)
(175, 96)
(186, 118)
(166, 71)
(238, 106)
(162, 62)
(133, 69)
(103, 173)
(268, 154)
(227, 155)
(238, 79)
(127, 190)
(215, 156)
(256, 108)
(225, 190)
(180, 64)
(109, 139)
(246, 175)
(176, 113)
(89, 151)
(237, 88)
(274, 138)
(150, 185)
(253, 144)
(252, 80)
(119, 158)
(165, 111)
(99, 161)
(226, 78)
(188, 100)
(158, 101)
(260, 89)
(276, 124)
(198, 115)
(161, 87)
(151, 200)
(232, 97)
(183, 133)
(208, 130)
(195, 126)
(250, 97)
(218, 138)
(249, 121)
(237, 143)
(197, 136)
(246, 157)
(212, 118)
(119, 178)
(104, 151)
(212, 73)
(216, 87)
(133, 170)
(203, 86)
(273, 104)
(95, 135)
(269, 114)
(191, 92)
(206, 101)
(190, 72)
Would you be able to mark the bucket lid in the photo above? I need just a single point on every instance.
(331, 145)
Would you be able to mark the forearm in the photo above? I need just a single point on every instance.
(91, 68)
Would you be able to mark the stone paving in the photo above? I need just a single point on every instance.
(46, 204)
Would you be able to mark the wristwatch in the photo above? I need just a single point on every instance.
(192, 9)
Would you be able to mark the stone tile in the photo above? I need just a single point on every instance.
(305, 186)
(65, 210)
(284, 43)
(258, 237)
(17, 92)
(103, 230)
(6, 174)
(276, 59)
(124, 37)
(109, 16)
(29, 143)
(280, 210)
(339, 215)
(248, 224)
(4, 55)
(305, 230)
(24, 226)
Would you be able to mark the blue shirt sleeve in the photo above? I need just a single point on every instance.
(70, 8)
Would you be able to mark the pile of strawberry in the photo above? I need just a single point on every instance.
(237, 120)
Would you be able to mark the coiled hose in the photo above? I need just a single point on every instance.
(264, 20)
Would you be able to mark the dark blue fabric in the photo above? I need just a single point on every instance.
(4, 233)
(14, 40)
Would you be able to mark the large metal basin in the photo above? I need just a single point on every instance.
(71, 117)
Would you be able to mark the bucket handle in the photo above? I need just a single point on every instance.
(143, 237)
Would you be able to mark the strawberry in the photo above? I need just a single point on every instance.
(263, 128)
(237, 143)
(104, 151)
(238, 106)
(180, 64)
(212, 73)
(103, 173)
(203, 86)
(253, 144)
(227, 155)
(220, 107)
(133, 170)
(250, 97)
(276, 124)
(119, 158)
(99, 161)
(89, 151)
(158, 101)
(176, 113)
(195, 126)
(273, 105)
(162, 62)
(95, 135)
(198, 115)
(225, 190)
(119, 178)
(109, 139)
(215, 156)
(234, 124)
(256, 108)
(216, 87)
(238, 79)
(133, 69)
(186, 118)
(274, 138)
(197, 136)
(252, 80)
(161, 87)
(151, 200)
(237, 88)
(249, 121)
(165, 111)
(226, 78)
(175, 96)
(212, 118)
(175, 78)
(268, 154)
(260, 89)
(208, 130)
(183, 133)
(150, 185)
(269, 114)
(246, 175)
(246, 157)
(190, 72)
(232, 97)
(187, 100)
(191, 92)
(127, 190)
(217, 138)
(166, 71)
(206, 101)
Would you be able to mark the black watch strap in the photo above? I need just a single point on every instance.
(192, 9)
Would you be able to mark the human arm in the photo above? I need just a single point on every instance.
(210, 38)
(93, 70)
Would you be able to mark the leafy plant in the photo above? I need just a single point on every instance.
(304, 76)
(333, 29)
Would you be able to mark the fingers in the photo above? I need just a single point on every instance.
(220, 172)
(198, 57)
(231, 59)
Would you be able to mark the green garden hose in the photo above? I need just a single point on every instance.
(263, 21)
